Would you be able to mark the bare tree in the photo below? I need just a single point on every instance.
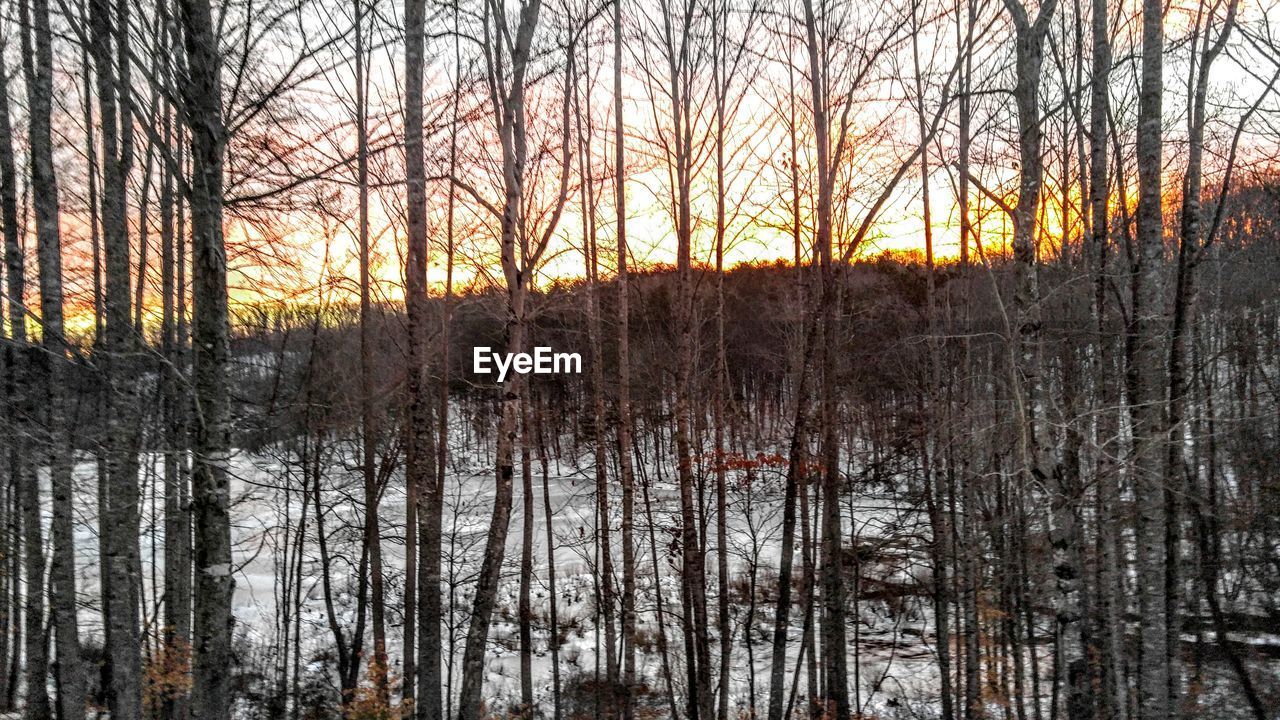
(1147, 333)
(173, 341)
(210, 489)
(624, 429)
(26, 481)
(423, 487)
(38, 72)
(16, 327)
(508, 58)
(108, 37)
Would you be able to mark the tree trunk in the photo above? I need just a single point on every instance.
(44, 185)
(600, 443)
(965, 117)
(15, 327)
(35, 694)
(511, 130)
(28, 542)
(1147, 333)
(1178, 467)
(719, 63)
(368, 427)
(120, 521)
(626, 468)
(693, 575)
(835, 700)
(797, 455)
(524, 602)
(1029, 41)
(177, 522)
(421, 463)
(938, 531)
(210, 490)
(659, 604)
(553, 640)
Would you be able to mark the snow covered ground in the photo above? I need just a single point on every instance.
(891, 647)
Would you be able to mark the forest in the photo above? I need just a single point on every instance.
(927, 359)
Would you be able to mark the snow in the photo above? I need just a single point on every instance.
(894, 659)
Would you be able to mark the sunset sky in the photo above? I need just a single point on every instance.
(307, 249)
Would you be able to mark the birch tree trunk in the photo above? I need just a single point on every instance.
(625, 464)
(1029, 57)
